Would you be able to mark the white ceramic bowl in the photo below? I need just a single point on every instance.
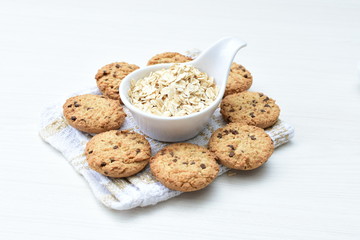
(216, 62)
(167, 129)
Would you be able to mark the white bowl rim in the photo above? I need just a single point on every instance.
(129, 105)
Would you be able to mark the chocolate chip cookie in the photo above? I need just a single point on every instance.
(252, 108)
(239, 79)
(241, 146)
(108, 78)
(184, 167)
(169, 57)
(118, 153)
(93, 113)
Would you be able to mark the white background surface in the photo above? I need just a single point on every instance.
(302, 53)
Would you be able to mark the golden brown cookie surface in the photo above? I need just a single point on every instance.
(108, 78)
(169, 57)
(184, 167)
(93, 113)
(252, 108)
(118, 153)
(239, 79)
(241, 146)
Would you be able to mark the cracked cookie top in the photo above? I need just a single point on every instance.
(252, 108)
(240, 146)
(108, 78)
(184, 167)
(118, 153)
(93, 113)
(169, 57)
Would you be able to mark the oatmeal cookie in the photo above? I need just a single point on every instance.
(184, 167)
(108, 78)
(118, 153)
(239, 79)
(252, 108)
(169, 57)
(241, 146)
(93, 113)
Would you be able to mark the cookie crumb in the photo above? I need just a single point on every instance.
(231, 173)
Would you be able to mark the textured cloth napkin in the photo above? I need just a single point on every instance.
(141, 189)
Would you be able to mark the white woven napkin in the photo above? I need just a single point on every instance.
(141, 189)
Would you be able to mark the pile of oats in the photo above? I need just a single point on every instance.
(177, 91)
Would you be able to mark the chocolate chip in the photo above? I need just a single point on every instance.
(252, 114)
(114, 75)
(231, 154)
(252, 137)
(266, 105)
(138, 150)
(262, 110)
(186, 163)
(246, 76)
(226, 132)
(77, 105)
(219, 135)
(112, 160)
(232, 110)
(261, 94)
(235, 132)
(103, 164)
(231, 146)
(69, 105)
(115, 147)
(203, 166)
(73, 118)
(90, 152)
(105, 172)
(105, 73)
(240, 107)
(174, 160)
(117, 66)
(266, 99)
(192, 163)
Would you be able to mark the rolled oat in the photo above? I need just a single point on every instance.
(177, 91)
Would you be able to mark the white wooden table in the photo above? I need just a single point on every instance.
(302, 53)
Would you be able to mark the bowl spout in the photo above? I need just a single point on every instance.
(216, 60)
